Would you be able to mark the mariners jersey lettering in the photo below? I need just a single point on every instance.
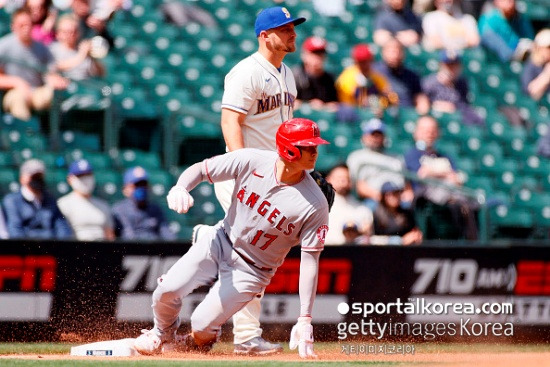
(266, 95)
(276, 216)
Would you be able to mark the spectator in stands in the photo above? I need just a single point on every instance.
(314, 84)
(505, 31)
(472, 7)
(94, 16)
(345, 208)
(360, 85)
(428, 163)
(28, 75)
(89, 217)
(135, 217)
(394, 224)
(353, 235)
(371, 166)
(43, 17)
(535, 77)
(403, 81)
(32, 212)
(396, 20)
(72, 56)
(448, 89)
(3, 226)
(448, 28)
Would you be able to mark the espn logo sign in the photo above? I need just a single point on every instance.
(32, 273)
(25, 283)
(334, 277)
(533, 278)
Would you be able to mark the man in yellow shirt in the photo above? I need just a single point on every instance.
(360, 86)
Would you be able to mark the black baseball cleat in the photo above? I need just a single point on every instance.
(257, 347)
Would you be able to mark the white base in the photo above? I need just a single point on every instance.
(109, 348)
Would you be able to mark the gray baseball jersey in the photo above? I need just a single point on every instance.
(266, 95)
(266, 217)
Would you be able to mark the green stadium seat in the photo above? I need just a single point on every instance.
(98, 160)
(6, 159)
(10, 123)
(536, 166)
(160, 182)
(508, 221)
(482, 183)
(108, 185)
(206, 209)
(9, 180)
(132, 157)
(15, 140)
(79, 140)
(179, 224)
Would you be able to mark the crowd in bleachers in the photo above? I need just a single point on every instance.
(369, 72)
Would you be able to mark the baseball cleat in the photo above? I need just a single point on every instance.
(150, 342)
(257, 347)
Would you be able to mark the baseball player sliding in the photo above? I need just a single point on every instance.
(276, 205)
(258, 96)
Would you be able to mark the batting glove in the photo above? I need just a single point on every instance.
(179, 199)
(301, 336)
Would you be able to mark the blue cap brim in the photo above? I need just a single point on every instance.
(296, 21)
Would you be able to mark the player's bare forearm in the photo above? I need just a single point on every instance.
(231, 122)
(309, 266)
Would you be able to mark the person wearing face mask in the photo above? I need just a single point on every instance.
(447, 89)
(32, 212)
(136, 218)
(90, 217)
(448, 28)
(371, 166)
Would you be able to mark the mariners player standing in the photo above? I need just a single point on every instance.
(276, 205)
(259, 95)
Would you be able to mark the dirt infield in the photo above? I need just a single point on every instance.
(419, 358)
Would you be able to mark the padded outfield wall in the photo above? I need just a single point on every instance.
(49, 290)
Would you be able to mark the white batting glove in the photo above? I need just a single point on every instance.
(179, 200)
(301, 336)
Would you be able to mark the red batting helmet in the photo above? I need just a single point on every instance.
(296, 133)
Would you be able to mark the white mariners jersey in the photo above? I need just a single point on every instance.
(256, 88)
(266, 218)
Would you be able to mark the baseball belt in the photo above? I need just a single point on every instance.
(246, 259)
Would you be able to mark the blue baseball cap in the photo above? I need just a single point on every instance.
(80, 167)
(390, 187)
(373, 125)
(274, 17)
(135, 174)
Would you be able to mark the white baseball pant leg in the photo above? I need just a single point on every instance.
(246, 322)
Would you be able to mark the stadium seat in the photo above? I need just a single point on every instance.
(79, 140)
(9, 180)
(132, 157)
(108, 185)
(98, 160)
(508, 221)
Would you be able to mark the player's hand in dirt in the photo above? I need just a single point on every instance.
(301, 336)
(179, 199)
